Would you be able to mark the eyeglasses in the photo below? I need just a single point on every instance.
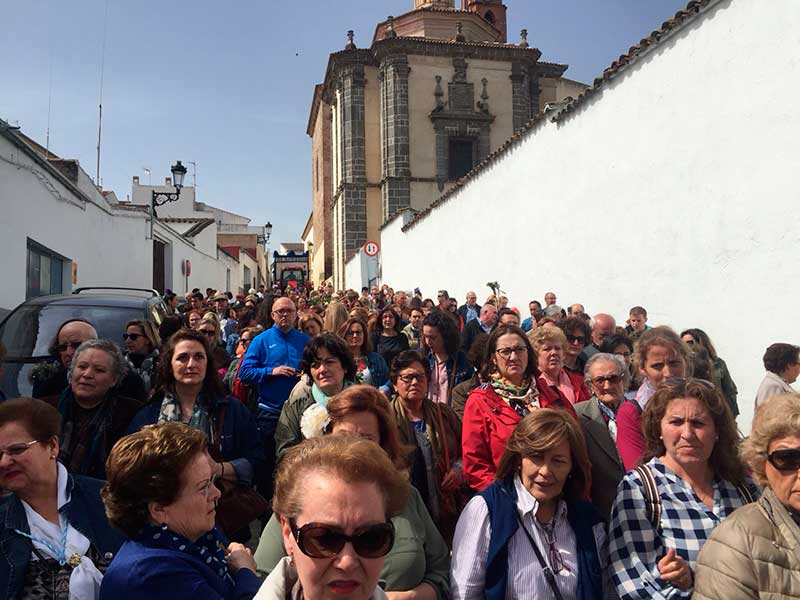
(209, 332)
(284, 311)
(16, 449)
(785, 460)
(63, 347)
(554, 554)
(612, 379)
(689, 342)
(412, 377)
(131, 336)
(326, 541)
(355, 333)
(206, 489)
(576, 338)
(245, 342)
(506, 352)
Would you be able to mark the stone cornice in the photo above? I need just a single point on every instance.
(473, 50)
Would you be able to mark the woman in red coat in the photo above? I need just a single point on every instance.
(557, 386)
(494, 409)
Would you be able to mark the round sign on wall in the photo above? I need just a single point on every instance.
(371, 248)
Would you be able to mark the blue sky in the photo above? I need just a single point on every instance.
(228, 84)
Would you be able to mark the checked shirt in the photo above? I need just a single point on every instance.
(635, 547)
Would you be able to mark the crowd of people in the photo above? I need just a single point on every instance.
(379, 444)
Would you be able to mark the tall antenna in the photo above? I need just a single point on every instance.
(49, 99)
(194, 172)
(102, 73)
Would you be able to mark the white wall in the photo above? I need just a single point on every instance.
(675, 187)
(111, 246)
(37, 205)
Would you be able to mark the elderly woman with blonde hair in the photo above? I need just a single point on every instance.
(335, 496)
(754, 552)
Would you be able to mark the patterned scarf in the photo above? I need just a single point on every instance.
(82, 451)
(171, 411)
(522, 398)
(209, 548)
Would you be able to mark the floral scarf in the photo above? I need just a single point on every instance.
(210, 548)
(522, 398)
(171, 411)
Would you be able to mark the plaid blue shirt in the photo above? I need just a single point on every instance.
(686, 522)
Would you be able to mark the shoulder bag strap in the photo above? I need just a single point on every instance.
(548, 572)
(216, 449)
(744, 493)
(652, 499)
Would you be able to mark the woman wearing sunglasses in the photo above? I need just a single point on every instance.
(691, 481)
(336, 496)
(753, 554)
(55, 534)
(141, 342)
(530, 534)
(418, 563)
(210, 327)
(161, 493)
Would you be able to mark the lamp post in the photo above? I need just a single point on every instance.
(266, 233)
(310, 251)
(161, 198)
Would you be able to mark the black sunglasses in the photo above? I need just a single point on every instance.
(73, 345)
(326, 541)
(786, 460)
(131, 336)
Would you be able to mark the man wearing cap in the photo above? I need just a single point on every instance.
(226, 323)
(271, 363)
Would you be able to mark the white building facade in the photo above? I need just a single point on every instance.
(671, 184)
(60, 232)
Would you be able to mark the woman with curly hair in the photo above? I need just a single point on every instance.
(691, 481)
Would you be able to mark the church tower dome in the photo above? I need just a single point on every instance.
(433, 4)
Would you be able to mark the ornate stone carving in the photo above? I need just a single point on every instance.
(458, 118)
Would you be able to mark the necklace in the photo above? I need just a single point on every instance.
(59, 552)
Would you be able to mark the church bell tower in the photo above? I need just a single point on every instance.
(493, 11)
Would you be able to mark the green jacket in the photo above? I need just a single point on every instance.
(419, 554)
(287, 432)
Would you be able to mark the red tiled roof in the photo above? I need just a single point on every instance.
(232, 251)
(681, 18)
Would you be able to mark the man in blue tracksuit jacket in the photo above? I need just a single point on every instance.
(271, 363)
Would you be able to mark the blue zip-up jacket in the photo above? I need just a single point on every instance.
(269, 350)
(84, 511)
(242, 446)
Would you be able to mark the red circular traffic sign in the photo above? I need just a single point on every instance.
(371, 248)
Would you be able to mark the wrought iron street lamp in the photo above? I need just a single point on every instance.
(161, 198)
(266, 233)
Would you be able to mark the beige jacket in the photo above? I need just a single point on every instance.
(283, 579)
(754, 553)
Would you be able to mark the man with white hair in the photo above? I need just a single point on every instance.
(469, 311)
(598, 419)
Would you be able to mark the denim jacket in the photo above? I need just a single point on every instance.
(84, 511)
